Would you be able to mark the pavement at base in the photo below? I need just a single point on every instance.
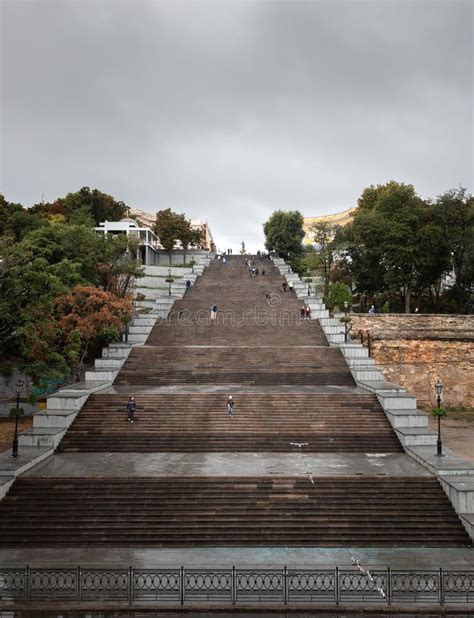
(299, 463)
(242, 557)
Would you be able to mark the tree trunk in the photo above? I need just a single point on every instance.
(407, 299)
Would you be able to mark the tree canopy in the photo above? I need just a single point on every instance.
(284, 233)
(171, 227)
(401, 245)
(45, 254)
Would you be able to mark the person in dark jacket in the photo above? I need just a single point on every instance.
(131, 407)
(230, 406)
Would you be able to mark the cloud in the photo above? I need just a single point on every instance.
(230, 110)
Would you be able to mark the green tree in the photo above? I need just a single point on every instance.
(387, 235)
(85, 203)
(28, 285)
(86, 316)
(168, 227)
(16, 220)
(338, 294)
(284, 233)
(324, 235)
(119, 266)
(453, 217)
(188, 236)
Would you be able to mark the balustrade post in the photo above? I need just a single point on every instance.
(27, 583)
(131, 585)
(79, 584)
(336, 585)
(285, 585)
(389, 585)
(181, 586)
(233, 585)
(441, 587)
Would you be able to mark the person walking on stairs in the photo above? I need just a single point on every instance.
(131, 407)
(308, 312)
(303, 312)
(290, 286)
(230, 406)
(214, 310)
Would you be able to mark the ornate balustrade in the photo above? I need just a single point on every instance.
(234, 586)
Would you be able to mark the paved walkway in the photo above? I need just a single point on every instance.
(230, 388)
(257, 557)
(227, 464)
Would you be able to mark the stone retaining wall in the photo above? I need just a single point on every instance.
(415, 350)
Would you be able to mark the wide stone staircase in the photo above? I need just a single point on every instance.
(295, 398)
(232, 511)
(160, 366)
(261, 422)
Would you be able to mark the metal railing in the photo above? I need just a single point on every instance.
(236, 585)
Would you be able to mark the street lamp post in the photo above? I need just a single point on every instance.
(346, 305)
(439, 444)
(308, 280)
(19, 388)
(169, 281)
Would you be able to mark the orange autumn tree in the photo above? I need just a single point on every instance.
(87, 316)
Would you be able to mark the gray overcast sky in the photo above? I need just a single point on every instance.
(230, 110)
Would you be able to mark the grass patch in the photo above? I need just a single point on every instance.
(456, 413)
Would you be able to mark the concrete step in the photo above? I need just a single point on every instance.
(460, 490)
(42, 437)
(54, 419)
(117, 351)
(67, 400)
(108, 363)
(336, 329)
(335, 338)
(138, 337)
(406, 418)
(319, 313)
(416, 436)
(366, 374)
(354, 350)
(364, 362)
(104, 375)
(148, 320)
(397, 401)
(331, 322)
(142, 329)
